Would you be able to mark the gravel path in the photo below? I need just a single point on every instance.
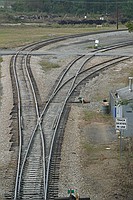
(5, 122)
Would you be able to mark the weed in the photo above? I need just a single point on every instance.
(1, 59)
(93, 116)
(48, 65)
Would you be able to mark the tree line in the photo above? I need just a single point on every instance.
(74, 7)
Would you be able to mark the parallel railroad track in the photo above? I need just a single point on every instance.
(41, 133)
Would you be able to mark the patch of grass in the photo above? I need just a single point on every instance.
(48, 65)
(88, 147)
(95, 154)
(91, 148)
(1, 59)
(90, 47)
(18, 35)
(93, 116)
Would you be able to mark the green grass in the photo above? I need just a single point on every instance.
(48, 65)
(93, 116)
(0, 79)
(0, 65)
(94, 148)
(18, 35)
(1, 59)
(96, 154)
(91, 148)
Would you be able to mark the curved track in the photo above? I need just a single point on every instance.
(41, 134)
(28, 112)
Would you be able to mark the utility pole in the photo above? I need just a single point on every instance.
(117, 21)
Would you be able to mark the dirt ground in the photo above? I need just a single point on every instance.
(91, 162)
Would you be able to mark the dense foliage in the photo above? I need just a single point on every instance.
(130, 26)
(76, 7)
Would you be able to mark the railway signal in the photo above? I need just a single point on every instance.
(96, 43)
(71, 191)
(73, 195)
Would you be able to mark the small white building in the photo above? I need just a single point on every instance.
(121, 106)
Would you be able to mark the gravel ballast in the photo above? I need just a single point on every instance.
(90, 152)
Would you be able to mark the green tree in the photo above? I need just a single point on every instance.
(28, 5)
(18, 5)
(76, 7)
(129, 25)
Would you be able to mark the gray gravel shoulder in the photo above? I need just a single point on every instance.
(5, 122)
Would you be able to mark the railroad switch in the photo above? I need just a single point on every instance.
(82, 100)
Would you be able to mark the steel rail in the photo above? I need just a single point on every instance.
(33, 133)
(19, 173)
(55, 91)
(19, 122)
(71, 90)
(69, 93)
(56, 128)
(32, 136)
(39, 44)
(96, 51)
(98, 70)
(58, 87)
(38, 123)
(18, 176)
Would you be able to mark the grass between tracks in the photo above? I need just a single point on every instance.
(48, 65)
(17, 35)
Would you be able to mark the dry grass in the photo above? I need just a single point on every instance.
(92, 116)
(0, 65)
(48, 65)
(18, 35)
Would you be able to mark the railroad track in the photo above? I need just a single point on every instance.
(28, 116)
(41, 133)
(60, 101)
